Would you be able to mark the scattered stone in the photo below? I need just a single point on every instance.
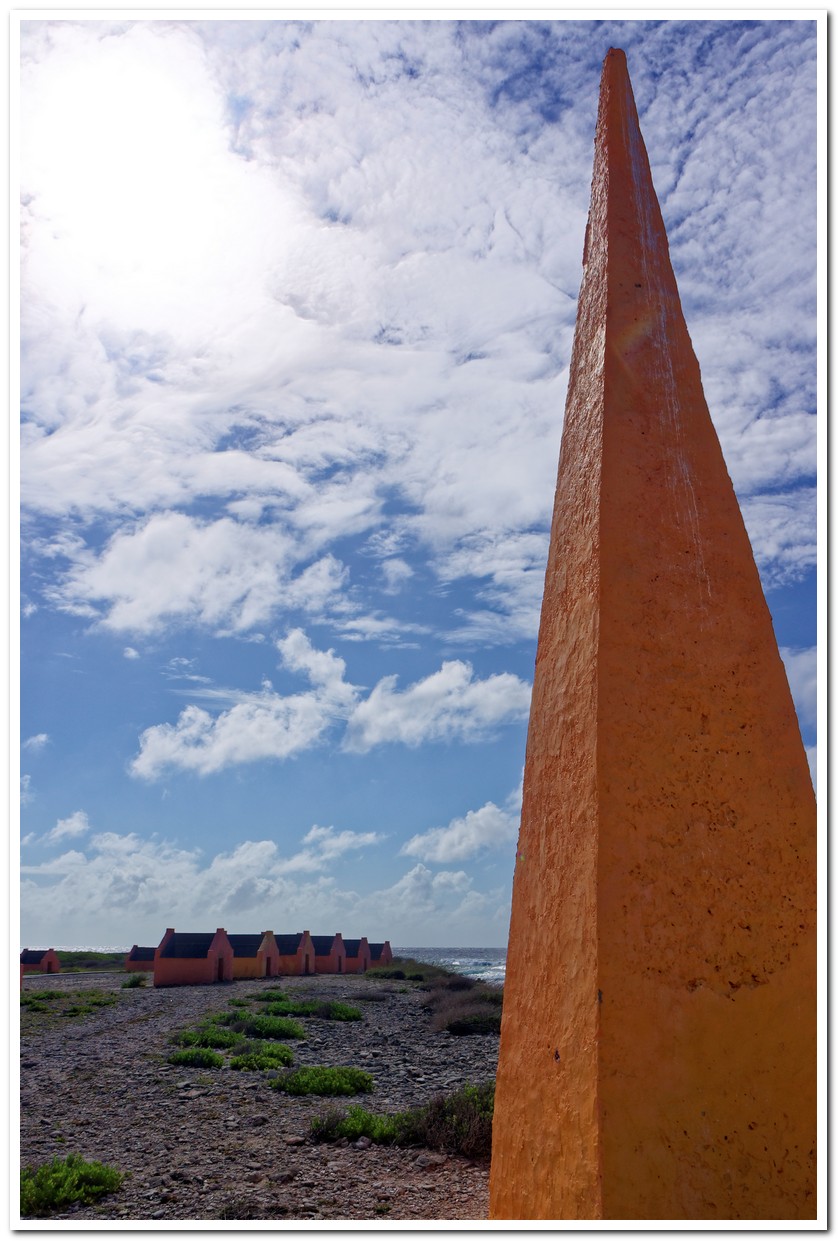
(186, 1132)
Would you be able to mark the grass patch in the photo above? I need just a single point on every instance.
(268, 995)
(48, 1008)
(79, 962)
(239, 1003)
(262, 1057)
(208, 1036)
(56, 1185)
(197, 1058)
(459, 1124)
(320, 1080)
(270, 1027)
(133, 980)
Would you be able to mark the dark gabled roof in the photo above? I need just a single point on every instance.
(141, 954)
(376, 951)
(288, 944)
(33, 956)
(323, 944)
(189, 944)
(352, 946)
(245, 945)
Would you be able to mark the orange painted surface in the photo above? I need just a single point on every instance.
(301, 960)
(358, 962)
(49, 962)
(215, 965)
(332, 961)
(658, 1043)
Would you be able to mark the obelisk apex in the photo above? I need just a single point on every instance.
(657, 1055)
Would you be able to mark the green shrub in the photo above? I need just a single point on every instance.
(290, 1008)
(208, 1036)
(28, 998)
(356, 1123)
(239, 1003)
(134, 980)
(317, 1079)
(197, 1058)
(269, 994)
(474, 1023)
(273, 1027)
(459, 1123)
(56, 1185)
(334, 1010)
(270, 1056)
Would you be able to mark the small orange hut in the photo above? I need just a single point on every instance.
(255, 956)
(357, 955)
(329, 954)
(381, 954)
(296, 953)
(40, 961)
(187, 958)
(140, 959)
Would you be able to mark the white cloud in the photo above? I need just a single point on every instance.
(486, 828)
(130, 653)
(323, 845)
(142, 886)
(36, 742)
(258, 726)
(395, 572)
(76, 825)
(355, 249)
(802, 672)
(449, 705)
(26, 794)
(220, 574)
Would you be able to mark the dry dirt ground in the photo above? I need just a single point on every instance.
(208, 1145)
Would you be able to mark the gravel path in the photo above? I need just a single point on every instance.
(201, 1145)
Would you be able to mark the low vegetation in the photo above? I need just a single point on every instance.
(462, 1005)
(54, 1186)
(209, 1035)
(406, 968)
(197, 1058)
(47, 1008)
(85, 961)
(322, 1080)
(134, 980)
(459, 1004)
(458, 1124)
(254, 1057)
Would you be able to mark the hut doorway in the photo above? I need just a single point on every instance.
(220, 969)
(306, 969)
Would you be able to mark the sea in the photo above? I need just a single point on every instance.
(486, 964)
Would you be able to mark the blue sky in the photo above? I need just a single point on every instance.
(298, 301)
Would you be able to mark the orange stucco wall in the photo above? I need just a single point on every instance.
(658, 1042)
(296, 964)
(249, 967)
(137, 966)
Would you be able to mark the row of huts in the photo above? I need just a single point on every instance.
(184, 958)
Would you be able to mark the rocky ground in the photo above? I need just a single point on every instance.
(207, 1145)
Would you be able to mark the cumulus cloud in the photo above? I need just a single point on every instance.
(84, 893)
(77, 824)
(449, 705)
(225, 575)
(26, 794)
(130, 653)
(36, 742)
(486, 828)
(359, 290)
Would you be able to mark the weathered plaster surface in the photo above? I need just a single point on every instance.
(658, 1041)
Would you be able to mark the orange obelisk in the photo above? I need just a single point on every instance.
(658, 1044)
